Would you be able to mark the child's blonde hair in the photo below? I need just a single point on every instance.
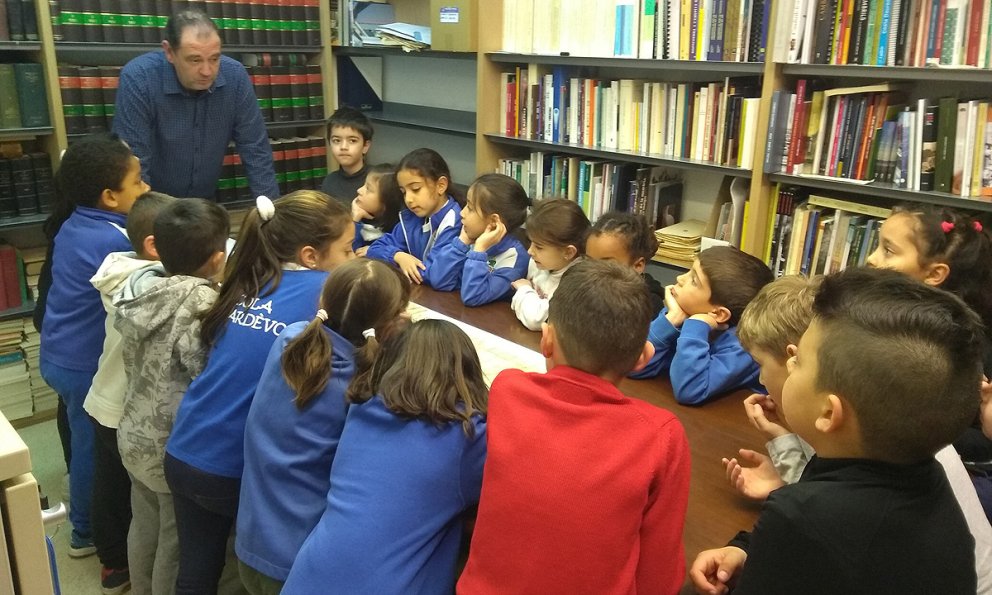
(362, 295)
(779, 315)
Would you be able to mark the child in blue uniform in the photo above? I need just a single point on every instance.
(376, 209)
(487, 256)
(409, 463)
(273, 278)
(98, 181)
(431, 218)
(298, 413)
(695, 338)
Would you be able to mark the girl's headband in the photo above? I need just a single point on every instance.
(266, 208)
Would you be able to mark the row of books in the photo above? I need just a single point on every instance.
(89, 94)
(285, 94)
(707, 30)
(886, 32)
(18, 20)
(15, 382)
(599, 186)
(714, 122)
(289, 93)
(26, 186)
(244, 22)
(13, 285)
(43, 397)
(813, 235)
(23, 102)
(300, 163)
(870, 133)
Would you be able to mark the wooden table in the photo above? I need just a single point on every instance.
(715, 430)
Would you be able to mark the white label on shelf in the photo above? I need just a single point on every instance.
(449, 14)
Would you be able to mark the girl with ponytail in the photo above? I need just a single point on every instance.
(298, 414)
(273, 278)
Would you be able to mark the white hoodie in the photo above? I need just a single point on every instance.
(105, 401)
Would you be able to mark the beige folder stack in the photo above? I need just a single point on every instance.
(679, 243)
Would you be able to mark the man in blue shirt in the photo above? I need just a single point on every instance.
(179, 109)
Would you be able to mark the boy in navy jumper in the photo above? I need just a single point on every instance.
(350, 133)
(694, 337)
(887, 374)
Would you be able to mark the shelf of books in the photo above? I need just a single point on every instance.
(690, 68)
(915, 128)
(18, 46)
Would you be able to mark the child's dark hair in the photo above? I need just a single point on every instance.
(735, 277)
(906, 356)
(349, 117)
(89, 166)
(301, 218)
(432, 373)
(429, 164)
(615, 297)
(188, 232)
(496, 194)
(959, 241)
(560, 222)
(389, 194)
(183, 19)
(362, 294)
(141, 217)
(634, 230)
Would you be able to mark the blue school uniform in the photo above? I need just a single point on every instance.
(483, 277)
(699, 368)
(288, 455)
(73, 333)
(420, 236)
(210, 423)
(393, 519)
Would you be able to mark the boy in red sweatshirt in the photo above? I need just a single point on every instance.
(584, 489)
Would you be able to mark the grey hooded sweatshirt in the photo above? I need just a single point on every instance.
(158, 319)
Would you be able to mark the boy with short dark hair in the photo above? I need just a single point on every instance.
(566, 506)
(695, 338)
(158, 316)
(104, 403)
(350, 134)
(887, 374)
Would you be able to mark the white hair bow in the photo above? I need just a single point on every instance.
(266, 208)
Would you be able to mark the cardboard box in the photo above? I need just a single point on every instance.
(454, 27)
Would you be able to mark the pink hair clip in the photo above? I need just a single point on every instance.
(947, 226)
(978, 225)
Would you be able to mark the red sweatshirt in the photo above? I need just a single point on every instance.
(584, 490)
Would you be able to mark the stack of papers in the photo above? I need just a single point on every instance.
(495, 353)
(44, 397)
(409, 37)
(680, 242)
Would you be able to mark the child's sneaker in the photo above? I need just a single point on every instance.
(79, 546)
(114, 581)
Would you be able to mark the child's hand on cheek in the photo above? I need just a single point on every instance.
(676, 315)
(411, 266)
(492, 236)
(358, 213)
(463, 236)
(709, 319)
(762, 414)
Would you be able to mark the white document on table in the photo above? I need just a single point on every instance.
(495, 353)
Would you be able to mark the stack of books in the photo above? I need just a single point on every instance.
(43, 396)
(22, 96)
(15, 383)
(680, 242)
(26, 185)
